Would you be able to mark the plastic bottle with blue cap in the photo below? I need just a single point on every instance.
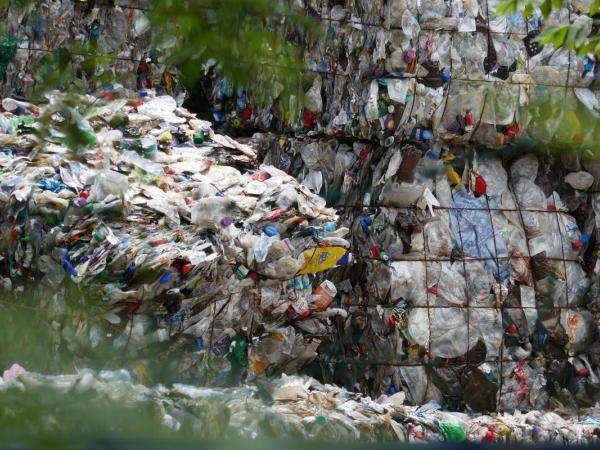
(421, 134)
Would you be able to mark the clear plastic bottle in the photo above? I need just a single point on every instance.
(140, 162)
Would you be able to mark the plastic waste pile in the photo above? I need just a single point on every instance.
(458, 279)
(475, 282)
(296, 407)
(71, 32)
(172, 229)
(391, 71)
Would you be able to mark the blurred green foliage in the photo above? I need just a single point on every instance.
(253, 43)
(248, 40)
(574, 36)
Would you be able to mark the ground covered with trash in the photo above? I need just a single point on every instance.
(291, 407)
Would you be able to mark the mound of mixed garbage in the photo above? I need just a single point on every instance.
(173, 229)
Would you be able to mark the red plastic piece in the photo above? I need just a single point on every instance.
(133, 307)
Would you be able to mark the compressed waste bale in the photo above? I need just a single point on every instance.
(464, 74)
(480, 269)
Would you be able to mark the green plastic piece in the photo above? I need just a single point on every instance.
(199, 137)
(119, 120)
(452, 433)
(99, 236)
(8, 49)
(239, 351)
(90, 139)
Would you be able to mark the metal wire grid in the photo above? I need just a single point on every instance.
(427, 260)
(436, 30)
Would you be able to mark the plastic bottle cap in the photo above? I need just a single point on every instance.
(330, 227)
(445, 76)
(69, 267)
(89, 208)
(226, 221)
(375, 251)
(99, 236)
(199, 137)
(166, 278)
(270, 231)
(423, 135)
(432, 155)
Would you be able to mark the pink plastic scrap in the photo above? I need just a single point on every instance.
(14, 371)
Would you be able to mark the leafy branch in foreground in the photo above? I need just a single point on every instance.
(576, 36)
(246, 40)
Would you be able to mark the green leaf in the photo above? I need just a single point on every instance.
(528, 11)
(547, 36)
(560, 36)
(508, 7)
(555, 35)
(594, 7)
(546, 8)
(571, 36)
(581, 37)
(557, 4)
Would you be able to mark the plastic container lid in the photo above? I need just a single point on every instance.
(166, 278)
(271, 231)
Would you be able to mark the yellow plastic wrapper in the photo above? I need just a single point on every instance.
(453, 177)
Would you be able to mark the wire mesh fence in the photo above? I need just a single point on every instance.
(479, 299)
